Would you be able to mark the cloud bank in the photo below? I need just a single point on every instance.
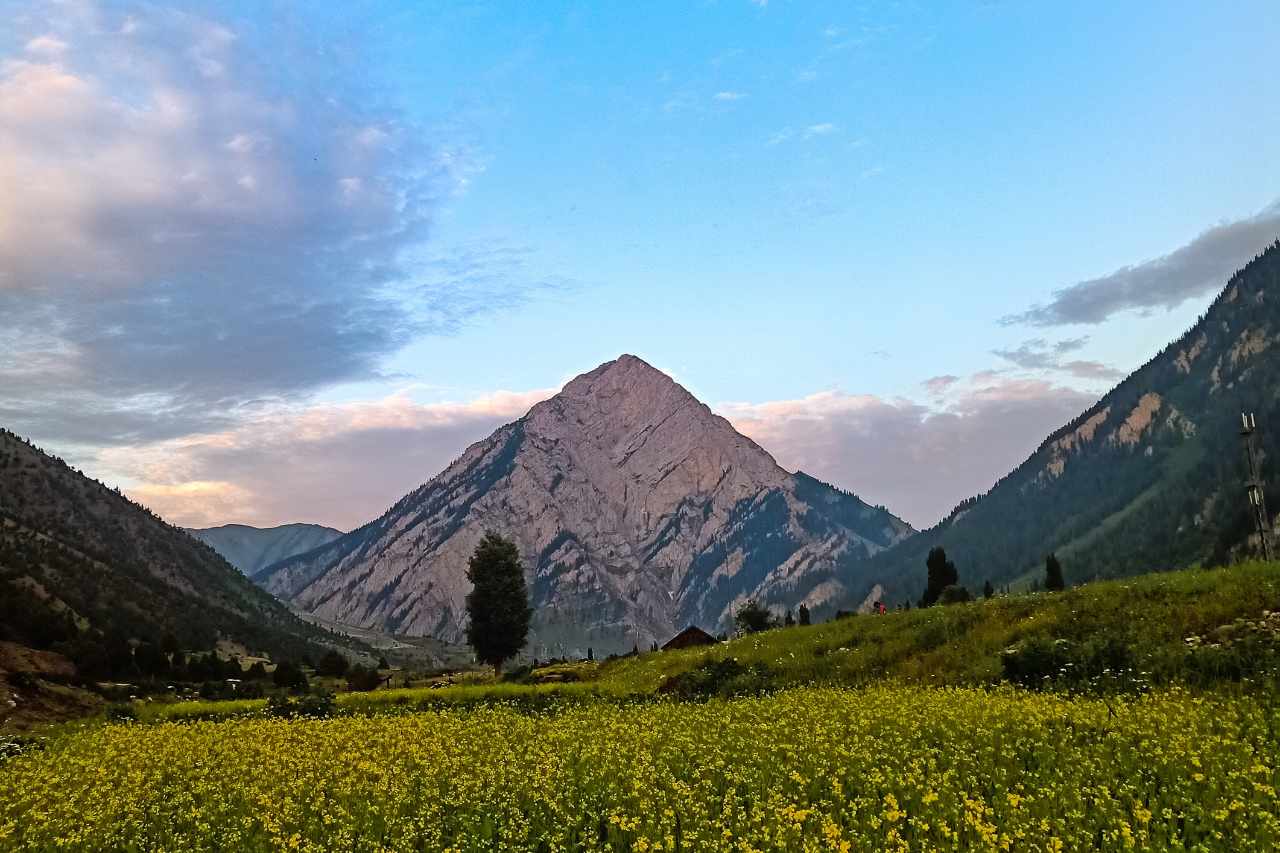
(196, 222)
(918, 460)
(345, 464)
(334, 464)
(1200, 267)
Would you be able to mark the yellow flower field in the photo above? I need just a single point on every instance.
(890, 768)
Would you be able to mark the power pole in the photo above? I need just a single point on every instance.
(1253, 485)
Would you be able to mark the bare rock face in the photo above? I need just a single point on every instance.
(637, 511)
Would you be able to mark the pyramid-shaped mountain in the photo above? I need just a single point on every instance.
(637, 511)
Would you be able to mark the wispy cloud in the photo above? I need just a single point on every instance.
(787, 134)
(1201, 267)
(780, 136)
(46, 45)
(939, 385)
(1039, 354)
(729, 96)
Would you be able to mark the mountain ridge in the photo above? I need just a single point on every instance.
(1152, 473)
(251, 549)
(82, 566)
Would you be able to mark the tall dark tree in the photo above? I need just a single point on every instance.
(751, 617)
(290, 675)
(803, 615)
(498, 604)
(332, 663)
(788, 620)
(988, 591)
(1053, 580)
(150, 660)
(942, 574)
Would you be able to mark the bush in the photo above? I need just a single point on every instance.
(751, 618)
(314, 706)
(1101, 665)
(519, 675)
(121, 712)
(725, 677)
(954, 594)
(363, 679)
(11, 746)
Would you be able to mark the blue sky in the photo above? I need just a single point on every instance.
(805, 212)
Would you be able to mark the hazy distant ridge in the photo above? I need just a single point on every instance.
(251, 549)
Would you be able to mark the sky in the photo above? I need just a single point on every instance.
(263, 263)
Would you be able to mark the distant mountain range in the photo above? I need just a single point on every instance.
(251, 549)
(637, 512)
(82, 567)
(1150, 478)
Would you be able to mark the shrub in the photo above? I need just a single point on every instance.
(314, 706)
(1103, 664)
(519, 675)
(363, 679)
(724, 677)
(121, 712)
(751, 617)
(332, 663)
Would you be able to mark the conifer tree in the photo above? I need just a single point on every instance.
(942, 574)
(498, 604)
(1053, 580)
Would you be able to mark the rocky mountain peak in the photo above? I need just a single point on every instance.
(636, 509)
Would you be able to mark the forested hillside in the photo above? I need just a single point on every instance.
(87, 572)
(1151, 475)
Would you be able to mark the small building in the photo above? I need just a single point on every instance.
(689, 638)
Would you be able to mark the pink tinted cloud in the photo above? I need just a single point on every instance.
(344, 464)
(335, 464)
(919, 460)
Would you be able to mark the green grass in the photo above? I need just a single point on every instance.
(958, 645)
(962, 643)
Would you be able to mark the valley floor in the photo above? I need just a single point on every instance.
(893, 768)
(1153, 723)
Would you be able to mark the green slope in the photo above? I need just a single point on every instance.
(81, 567)
(1151, 475)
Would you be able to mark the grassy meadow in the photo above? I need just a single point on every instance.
(1154, 724)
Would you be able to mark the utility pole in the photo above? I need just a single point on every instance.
(1253, 485)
